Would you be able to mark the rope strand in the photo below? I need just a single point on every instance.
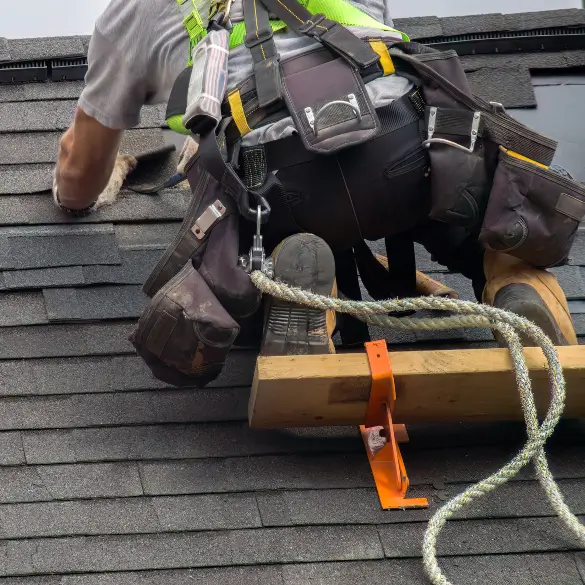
(466, 314)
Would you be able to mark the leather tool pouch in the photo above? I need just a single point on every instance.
(185, 334)
(533, 213)
(459, 178)
(330, 106)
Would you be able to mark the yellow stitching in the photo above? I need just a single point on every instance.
(257, 35)
(299, 19)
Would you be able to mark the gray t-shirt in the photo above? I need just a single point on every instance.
(139, 47)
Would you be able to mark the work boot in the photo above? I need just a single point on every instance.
(304, 261)
(531, 292)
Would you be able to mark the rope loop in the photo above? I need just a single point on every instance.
(466, 314)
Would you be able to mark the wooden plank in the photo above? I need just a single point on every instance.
(431, 386)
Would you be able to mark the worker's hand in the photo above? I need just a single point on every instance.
(189, 150)
(123, 166)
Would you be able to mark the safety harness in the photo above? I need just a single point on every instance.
(349, 173)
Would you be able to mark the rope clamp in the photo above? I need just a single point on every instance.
(381, 436)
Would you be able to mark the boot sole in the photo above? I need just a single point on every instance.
(304, 261)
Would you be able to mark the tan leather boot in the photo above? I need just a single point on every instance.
(530, 292)
(304, 261)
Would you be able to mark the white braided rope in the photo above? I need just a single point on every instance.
(467, 314)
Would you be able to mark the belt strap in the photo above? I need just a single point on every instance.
(328, 32)
(261, 44)
(501, 128)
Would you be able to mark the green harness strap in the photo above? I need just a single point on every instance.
(341, 11)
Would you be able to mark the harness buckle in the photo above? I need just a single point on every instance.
(309, 27)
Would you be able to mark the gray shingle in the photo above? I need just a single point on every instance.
(122, 516)
(129, 516)
(256, 575)
(65, 482)
(45, 48)
(58, 115)
(544, 19)
(40, 209)
(21, 309)
(32, 92)
(361, 506)
(577, 307)
(123, 408)
(4, 52)
(420, 27)
(215, 512)
(256, 473)
(552, 569)
(572, 281)
(52, 246)
(43, 277)
(577, 255)
(175, 442)
(135, 268)
(11, 449)
(198, 549)
(42, 147)
(477, 23)
(56, 580)
(18, 179)
(510, 86)
(152, 235)
(37, 377)
(94, 303)
(474, 537)
(558, 60)
(65, 340)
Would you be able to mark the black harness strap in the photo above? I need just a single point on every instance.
(330, 33)
(261, 44)
(214, 163)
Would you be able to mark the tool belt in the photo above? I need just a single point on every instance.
(350, 173)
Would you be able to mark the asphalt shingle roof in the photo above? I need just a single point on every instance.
(110, 477)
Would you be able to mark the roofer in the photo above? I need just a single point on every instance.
(328, 128)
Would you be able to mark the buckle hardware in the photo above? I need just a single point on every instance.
(431, 131)
(207, 219)
(309, 27)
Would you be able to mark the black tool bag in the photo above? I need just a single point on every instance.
(533, 212)
(199, 292)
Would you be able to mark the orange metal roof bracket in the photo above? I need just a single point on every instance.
(386, 461)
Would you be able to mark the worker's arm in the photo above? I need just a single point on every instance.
(87, 156)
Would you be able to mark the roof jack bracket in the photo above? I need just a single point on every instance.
(433, 125)
(381, 436)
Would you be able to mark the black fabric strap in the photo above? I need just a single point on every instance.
(261, 44)
(353, 332)
(330, 33)
(214, 163)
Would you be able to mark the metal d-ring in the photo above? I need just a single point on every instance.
(313, 118)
